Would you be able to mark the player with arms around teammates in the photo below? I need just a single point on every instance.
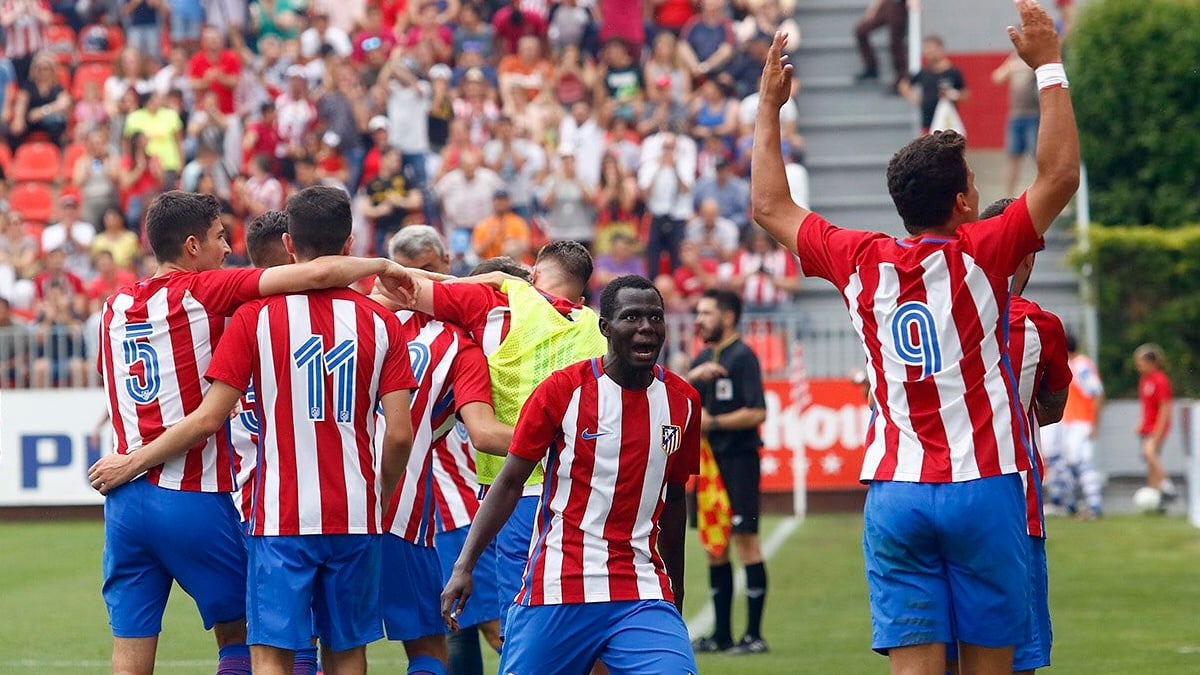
(157, 339)
(945, 452)
(619, 437)
(322, 361)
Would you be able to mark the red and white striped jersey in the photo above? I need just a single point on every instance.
(451, 371)
(1037, 347)
(26, 36)
(243, 433)
(931, 314)
(483, 311)
(320, 362)
(761, 270)
(156, 340)
(455, 489)
(608, 453)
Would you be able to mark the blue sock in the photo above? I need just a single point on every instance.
(306, 662)
(235, 660)
(425, 665)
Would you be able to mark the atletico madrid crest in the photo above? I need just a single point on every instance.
(672, 436)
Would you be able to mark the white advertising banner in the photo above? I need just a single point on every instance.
(46, 446)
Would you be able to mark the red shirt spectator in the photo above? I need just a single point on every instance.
(215, 68)
(57, 274)
(1154, 389)
(101, 287)
(510, 26)
(672, 14)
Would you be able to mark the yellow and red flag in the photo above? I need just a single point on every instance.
(714, 515)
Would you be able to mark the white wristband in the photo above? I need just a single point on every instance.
(1051, 75)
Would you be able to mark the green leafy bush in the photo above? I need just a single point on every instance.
(1135, 83)
(1147, 290)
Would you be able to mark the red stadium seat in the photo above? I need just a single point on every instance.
(36, 162)
(34, 201)
(90, 72)
(60, 40)
(5, 158)
(71, 155)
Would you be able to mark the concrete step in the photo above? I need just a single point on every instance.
(826, 96)
(848, 175)
(873, 212)
(853, 135)
(826, 19)
(821, 55)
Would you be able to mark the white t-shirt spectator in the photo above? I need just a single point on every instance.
(311, 41)
(724, 234)
(520, 182)
(78, 245)
(588, 141)
(465, 201)
(408, 116)
(789, 114)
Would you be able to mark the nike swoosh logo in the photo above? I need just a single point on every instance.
(587, 436)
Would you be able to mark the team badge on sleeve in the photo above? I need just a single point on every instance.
(672, 436)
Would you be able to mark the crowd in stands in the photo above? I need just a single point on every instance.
(624, 124)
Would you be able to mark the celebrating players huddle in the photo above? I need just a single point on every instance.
(358, 428)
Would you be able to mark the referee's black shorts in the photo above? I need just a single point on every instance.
(740, 471)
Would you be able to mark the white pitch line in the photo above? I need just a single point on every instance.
(702, 622)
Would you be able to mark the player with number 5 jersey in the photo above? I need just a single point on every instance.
(157, 339)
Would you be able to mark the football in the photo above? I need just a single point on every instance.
(1147, 499)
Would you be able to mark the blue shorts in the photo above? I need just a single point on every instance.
(512, 553)
(410, 590)
(483, 605)
(327, 583)
(1021, 137)
(947, 560)
(1035, 652)
(153, 536)
(644, 637)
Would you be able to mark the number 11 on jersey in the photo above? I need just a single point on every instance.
(318, 363)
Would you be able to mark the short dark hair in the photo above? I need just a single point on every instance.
(727, 301)
(926, 176)
(572, 257)
(608, 297)
(1072, 343)
(264, 237)
(502, 264)
(319, 220)
(996, 208)
(174, 216)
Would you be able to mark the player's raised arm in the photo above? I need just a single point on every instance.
(1058, 139)
(770, 196)
(113, 471)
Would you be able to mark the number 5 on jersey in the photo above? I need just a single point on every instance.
(318, 363)
(142, 387)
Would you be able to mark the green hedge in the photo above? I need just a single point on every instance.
(1135, 83)
(1147, 290)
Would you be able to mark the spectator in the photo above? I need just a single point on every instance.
(622, 258)
(623, 142)
(938, 80)
(714, 113)
(228, 17)
(117, 241)
(707, 40)
(208, 162)
(143, 29)
(716, 236)
(466, 193)
(262, 138)
(504, 233)
(294, 117)
(55, 273)
(623, 20)
(510, 23)
(129, 72)
(343, 14)
(665, 69)
(765, 18)
(894, 15)
(429, 35)
(13, 338)
(42, 106)
(95, 175)
(408, 105)
(477, 105)
(109, 277)
(1154, 390)
(730, 191)
(140, 177)
(458, 144)
(24, 23)
(789, 119)
(621, 76)
(377, 128)
(164, 135)
(619, 203)
(187, 20)
(670, 16)
(441, 106)
(1022, 124)
(580, 131)
(331, 165)
(373, 38)
(275, 20)
(746, 67)
(471, 33)
(59, 328)
(569, 202)
(174, 77)
(8, 86)
(70, 236)
(89, 113)
(661, 110)
(18, 247)
(215, 68)
(337, 110)
(321, 31)
(570, 24)
(387, 200)
(690, 279)
(666, 177)
(765, 274)
(518, 162)
(524, 74)
(207, 125)
(261, 192)
(575, 76)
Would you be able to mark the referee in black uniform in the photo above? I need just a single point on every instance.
(729, 380)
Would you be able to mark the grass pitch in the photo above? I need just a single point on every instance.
(1125, 595)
